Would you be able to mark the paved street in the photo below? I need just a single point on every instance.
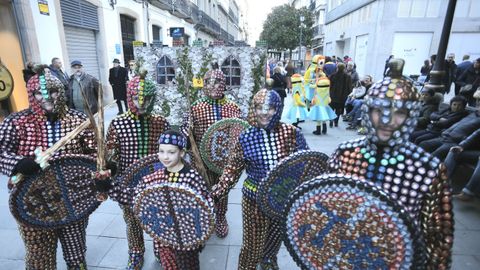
(107, 245)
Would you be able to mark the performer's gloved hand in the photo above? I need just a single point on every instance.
(26, 166)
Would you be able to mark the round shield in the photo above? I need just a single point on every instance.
(126, 183)
(61, 194)
(218, 141)
(338, 222)
(175, 215)
(288, 174)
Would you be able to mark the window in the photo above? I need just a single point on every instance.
(231, 69)
(165, 70)
(128, 35)
(157, 35)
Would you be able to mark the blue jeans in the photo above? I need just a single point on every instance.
(451, 161)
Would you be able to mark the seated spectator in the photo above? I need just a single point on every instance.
(453, 135)
(430, 102)
(355, 99)
(439, 121)
(467, 151)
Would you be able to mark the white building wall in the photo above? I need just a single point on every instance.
(392, 26)
(47, 32)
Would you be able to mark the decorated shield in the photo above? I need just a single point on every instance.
(61, 194)
(126, 183)
(218, 141)
(285, 177)
(175, 215)
(338, 222)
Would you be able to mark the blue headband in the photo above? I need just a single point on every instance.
(178, 140)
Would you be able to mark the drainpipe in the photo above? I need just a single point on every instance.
(146, 22)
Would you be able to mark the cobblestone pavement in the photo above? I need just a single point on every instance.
(107, 244)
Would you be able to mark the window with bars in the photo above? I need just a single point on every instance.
(165, 70)
(231, 68)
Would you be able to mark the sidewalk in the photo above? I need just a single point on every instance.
(107, 244)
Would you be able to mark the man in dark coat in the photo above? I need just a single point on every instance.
(461, 68)
(118, 78)
(56, 70)
(471, 76)
(340, 88)
(451, 71)
(81, 81)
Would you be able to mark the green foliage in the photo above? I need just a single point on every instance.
(186, 75)
(206, 60)
(258, 72)
(281, 29)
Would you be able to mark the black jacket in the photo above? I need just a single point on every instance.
(279, 84)
(427, 109)
(461, 130)
(340, 87)
(449, 116)
(63, 77)
(118, 79)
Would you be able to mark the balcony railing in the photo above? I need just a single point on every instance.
(207, 24)
(183, 9)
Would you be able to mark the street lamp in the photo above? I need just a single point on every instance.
(302, 18)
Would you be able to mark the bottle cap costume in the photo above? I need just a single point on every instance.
(39, 127)
(259, 149)
(174, 249)
(132, 136)
(408, 174)
(204, 113)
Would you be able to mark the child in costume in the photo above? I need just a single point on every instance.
(171, 150)
(132, 136)
(319, 109)
(258, 150)
(298, 111)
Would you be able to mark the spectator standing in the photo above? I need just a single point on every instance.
(340, 88)
(28, 71)
(425, 69)
(56, 69)
(118, 78)
(461, 68)
(81, 81)
(450, 72)
(131, 71)
(352, 71)
(329, 67)
(470, 76)
(279, 83)
(290, 71)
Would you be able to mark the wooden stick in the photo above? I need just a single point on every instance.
(42, 157)
(101, 196)
(195, 152)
